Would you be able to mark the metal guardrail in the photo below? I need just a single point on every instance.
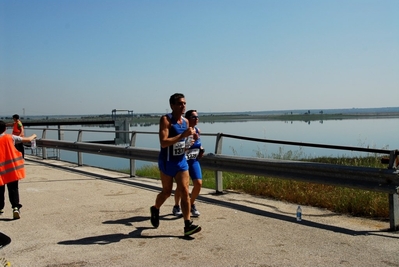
(373, 179)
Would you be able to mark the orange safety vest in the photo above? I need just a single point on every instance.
(11, 161)
(17, 128)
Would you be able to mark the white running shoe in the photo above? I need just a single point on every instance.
(177, 211)
(194, 211)
(15, 213)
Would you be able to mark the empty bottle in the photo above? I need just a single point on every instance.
(33, 144)
(299, 214)
(189, 141)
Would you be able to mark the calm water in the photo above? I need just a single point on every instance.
(373, 133)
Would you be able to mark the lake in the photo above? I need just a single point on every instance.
(372, 133)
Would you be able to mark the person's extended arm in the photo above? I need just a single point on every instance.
(18, 139)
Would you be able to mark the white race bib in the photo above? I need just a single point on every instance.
(179, 148)
(193, 153)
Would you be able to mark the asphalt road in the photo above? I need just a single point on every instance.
(85, 216)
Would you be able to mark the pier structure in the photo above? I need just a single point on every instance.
(115, 115)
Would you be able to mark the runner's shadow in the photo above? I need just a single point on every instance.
(135, 219)
(114, 238)
(7, 219)
(96, 240)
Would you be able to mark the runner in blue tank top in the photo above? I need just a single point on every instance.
(172, 158)
(193, 155)
(172, 163)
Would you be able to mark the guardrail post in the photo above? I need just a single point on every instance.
(60, 133)
(393, 199)
(133, 161)
(219, 174)
(80, 157)
(394, 211)
(44, 149)
(60, 137)
(392, 158)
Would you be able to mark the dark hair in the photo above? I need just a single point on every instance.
(189, 113)
(173, 98)
(3, 127)
(15, 116)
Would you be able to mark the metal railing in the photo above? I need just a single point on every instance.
(373, 179)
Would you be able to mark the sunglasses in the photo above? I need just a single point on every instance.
(194, 117)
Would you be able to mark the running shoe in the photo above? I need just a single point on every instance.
(194, 211)
(15, 214)
(177, 211)
(191, 229)
(154, 216)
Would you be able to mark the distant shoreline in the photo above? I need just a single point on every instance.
(285, 117)
(343, 111)
(210, 118)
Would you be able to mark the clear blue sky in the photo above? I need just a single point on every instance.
(92, 56)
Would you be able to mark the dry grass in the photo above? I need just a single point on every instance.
(338, 199)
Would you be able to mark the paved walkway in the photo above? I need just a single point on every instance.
(85, 216)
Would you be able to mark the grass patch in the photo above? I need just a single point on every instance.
(150, 171)
(343, 200)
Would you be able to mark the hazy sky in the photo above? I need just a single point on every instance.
(91, 56)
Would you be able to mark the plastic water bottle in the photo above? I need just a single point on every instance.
(299, 214)
(33, 144)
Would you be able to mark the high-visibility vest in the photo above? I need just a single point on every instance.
(17, 128)
(11, 161)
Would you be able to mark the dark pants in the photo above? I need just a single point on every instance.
(20, 148)
(13, 195)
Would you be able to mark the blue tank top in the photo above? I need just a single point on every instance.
(193, 152)
(175, 152)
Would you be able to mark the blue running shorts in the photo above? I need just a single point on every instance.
(171, 168)
(194, 169)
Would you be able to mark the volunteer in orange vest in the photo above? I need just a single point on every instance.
(18, 130)
(11, 168)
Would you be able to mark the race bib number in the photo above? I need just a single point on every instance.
(179, 148)
(192, 153)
